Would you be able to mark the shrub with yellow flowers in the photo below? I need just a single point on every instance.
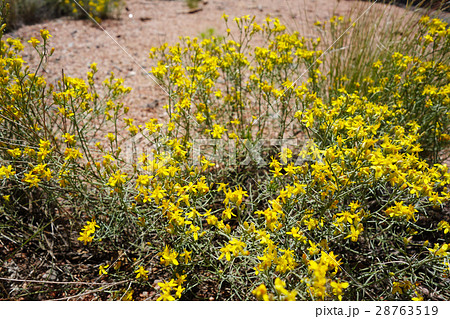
(401, 63)
(96, 9)
(262, 185)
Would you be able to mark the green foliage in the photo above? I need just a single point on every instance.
(20, 12)
(192, 4)
(210, 33)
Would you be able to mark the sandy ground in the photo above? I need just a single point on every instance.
(122, 45)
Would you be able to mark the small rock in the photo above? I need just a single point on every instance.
(152, 105)
(194, 10)
(50, 275)
(155, 284)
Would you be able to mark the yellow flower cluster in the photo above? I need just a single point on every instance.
(235, 247)
(172, 285)
(318, 282)
(282, 293)
(6, 172)
(87, 233)
(196, 65)
(444, 226)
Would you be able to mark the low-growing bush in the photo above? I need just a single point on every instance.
(380, 55)
(20, 12)
(261, 185)
(96, 9)
(23, 12)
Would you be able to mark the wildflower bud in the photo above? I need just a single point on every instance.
(305, 258)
